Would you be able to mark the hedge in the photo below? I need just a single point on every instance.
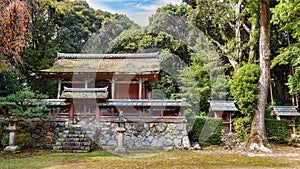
(278, 131)
(206, 131)
(242, 127)
(2, 124)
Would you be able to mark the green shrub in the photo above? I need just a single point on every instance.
(206, 131)
(278, 131)
(23, 140)
(242, 127)
(2, 124)
(4, 140)
(244, 88)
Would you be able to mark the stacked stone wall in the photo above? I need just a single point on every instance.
(137, 135)
(141, 135)
(43, 133)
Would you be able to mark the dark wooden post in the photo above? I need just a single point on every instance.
(97, 113)
(113, 85)
(140, 88)
(58, 88)
(71, 114)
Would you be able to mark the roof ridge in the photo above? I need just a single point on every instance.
(105, 56)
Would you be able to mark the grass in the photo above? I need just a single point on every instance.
(216, 158)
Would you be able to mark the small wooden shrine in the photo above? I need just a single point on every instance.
(99, 86)
(285, 113)
(223, 109)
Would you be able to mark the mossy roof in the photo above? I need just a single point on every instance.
(84, 95)
(285, 111)
(140, 63)
(222, 105)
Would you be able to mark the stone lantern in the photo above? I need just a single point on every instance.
(12, 128)
(121, 120)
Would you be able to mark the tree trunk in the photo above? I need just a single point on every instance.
(238, 24)
(258, 138)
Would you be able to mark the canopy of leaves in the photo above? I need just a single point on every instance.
(15, 21)
(195, 85)
(286, 15)
(9, 82)
(244, 88)
(230, 25)
(23, 104)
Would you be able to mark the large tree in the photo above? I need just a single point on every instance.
(14, 25)
(231, 25)
(286, 15)
(258, 138)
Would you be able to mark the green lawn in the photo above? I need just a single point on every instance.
(282, 158)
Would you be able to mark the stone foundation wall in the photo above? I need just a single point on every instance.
(43, 134)
(137, 136)
(141, 135)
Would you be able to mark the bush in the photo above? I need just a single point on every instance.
(2, 124)
(244, 88)
(278, 131)
(206, 131)
(23, 140)
(242, 127)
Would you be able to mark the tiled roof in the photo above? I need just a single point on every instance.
(146, 103)
(52, 102)
(222, 105)
(106, 63)
(84, 95)
(285, 110)
(106, 56)
(67, 89)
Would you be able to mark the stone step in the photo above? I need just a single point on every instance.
(66, 139)
(73, 140)
(74, 136)
(74, 132)
(71, 151)
(71, 148)
(73, 143)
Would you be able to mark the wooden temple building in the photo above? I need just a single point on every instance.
(97, 87)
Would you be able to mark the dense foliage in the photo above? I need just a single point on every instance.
(244, 88)
(242, 127)
(9, 82)
(15, 21)
(23, 104)
(278, 131)
(23, 140)
(206, 131)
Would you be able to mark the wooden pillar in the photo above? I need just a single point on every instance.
(84, 110)
(140, 88)
(71, 113)
(97, 113)
(293, 126)
(85, 83)
(141, 112)
(181, 111)
(58, 88)
(230, 127)
(113, 88)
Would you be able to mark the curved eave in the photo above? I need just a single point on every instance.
(153, 76)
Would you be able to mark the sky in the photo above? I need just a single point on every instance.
(137, 10)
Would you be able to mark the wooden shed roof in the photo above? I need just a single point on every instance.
(222, 105)
(84, 93)
(137, 63)
(145, 103)
(290, 111)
